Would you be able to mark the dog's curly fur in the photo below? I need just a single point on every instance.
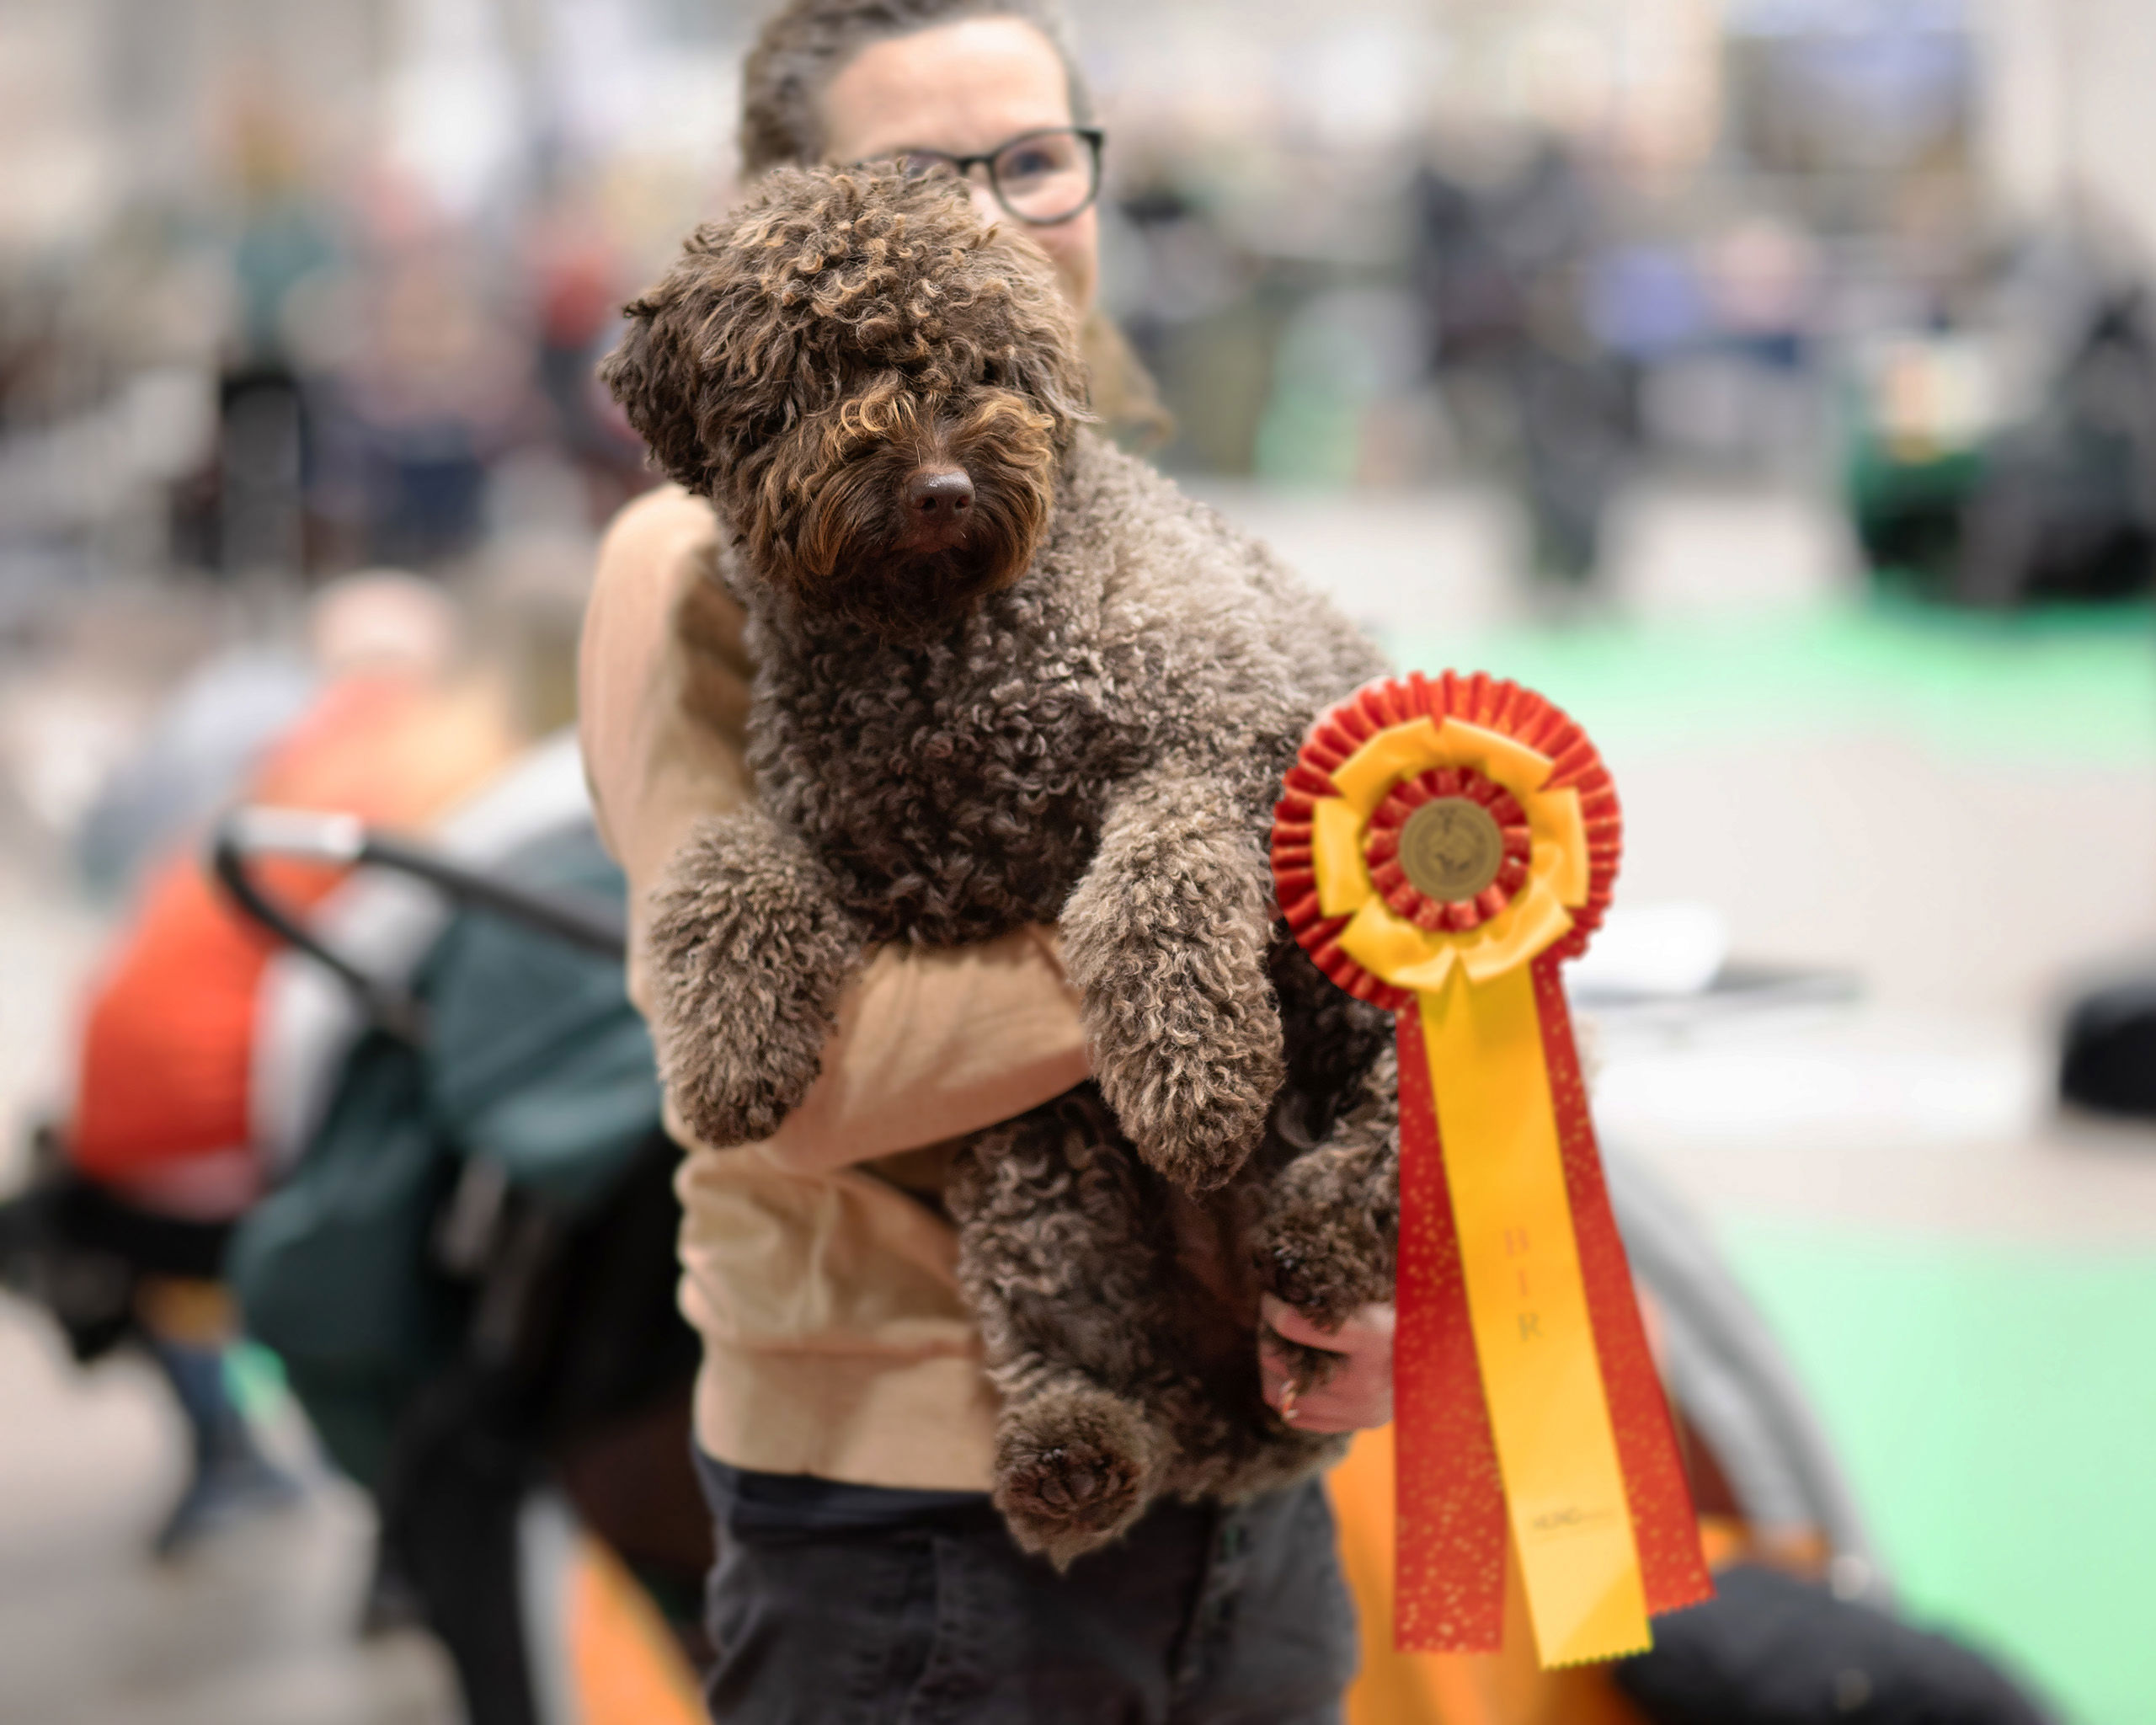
(1079, 712)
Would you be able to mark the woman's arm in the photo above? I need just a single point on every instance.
(930, 1044)
(934, 1044)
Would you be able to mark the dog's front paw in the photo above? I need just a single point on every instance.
(747, 954)
(1194, 1121)
(740, 1061)
(1191, 1082)
(1168, 937)
(1071, 1471)
(1302, 1268)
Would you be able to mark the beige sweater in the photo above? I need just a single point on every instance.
(816, 1266)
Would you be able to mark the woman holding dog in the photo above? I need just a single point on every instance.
(844, 1425)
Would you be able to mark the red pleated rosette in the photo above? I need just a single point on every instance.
(1492, 703)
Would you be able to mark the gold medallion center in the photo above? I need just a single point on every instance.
(1451, 849)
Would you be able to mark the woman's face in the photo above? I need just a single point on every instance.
(963, 89)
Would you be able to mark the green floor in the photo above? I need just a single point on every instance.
(1996, 1406)
(2025, 686)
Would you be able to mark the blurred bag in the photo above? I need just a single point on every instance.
(1769, 1649)
(2108, 1059)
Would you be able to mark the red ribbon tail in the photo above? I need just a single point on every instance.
(1665, 1526)
(1450, 1584)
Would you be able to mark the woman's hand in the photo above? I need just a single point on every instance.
(1358, 1394)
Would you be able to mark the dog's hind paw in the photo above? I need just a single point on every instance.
(1072, 1469)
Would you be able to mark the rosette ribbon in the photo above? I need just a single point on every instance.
(1443, 845)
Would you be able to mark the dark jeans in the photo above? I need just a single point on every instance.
(835, 1604)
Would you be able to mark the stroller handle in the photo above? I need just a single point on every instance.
(307, 835)
(252, 832)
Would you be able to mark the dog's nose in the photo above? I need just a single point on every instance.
(939, 497)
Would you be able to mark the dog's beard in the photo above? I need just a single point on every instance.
(909, 597)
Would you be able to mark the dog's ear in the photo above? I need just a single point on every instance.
(1053, 372)
(1044, 355)
(655, 373)
(708, 370)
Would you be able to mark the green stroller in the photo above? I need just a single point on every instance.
(466, 1266)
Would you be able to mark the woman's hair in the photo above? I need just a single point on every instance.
(807, 43)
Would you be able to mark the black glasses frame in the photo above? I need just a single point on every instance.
(963, 166)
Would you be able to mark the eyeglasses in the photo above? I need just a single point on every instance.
(1040, 177)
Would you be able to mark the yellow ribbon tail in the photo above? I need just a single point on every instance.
(1527, 1303)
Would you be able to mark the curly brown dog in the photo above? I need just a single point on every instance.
(1007, 675)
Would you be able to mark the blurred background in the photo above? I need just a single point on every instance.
(1770, 383)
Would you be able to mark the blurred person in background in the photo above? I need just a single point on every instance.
(379, 358)
(434, 395)
(284, 240)
(201, 744)
(1501, 238)
(844, 1425)
(576, 269)
(157, 1153)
